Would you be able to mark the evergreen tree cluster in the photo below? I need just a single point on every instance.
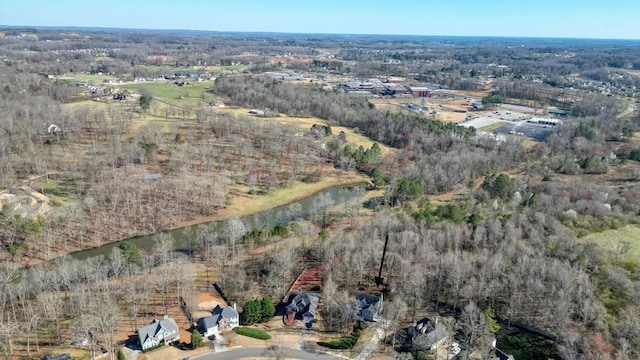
(257, 311)
(498, 186)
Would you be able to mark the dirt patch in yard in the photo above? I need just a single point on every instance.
(210, 300)
(206, 303)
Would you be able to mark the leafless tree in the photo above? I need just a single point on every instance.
(393, 314)
(473, 326)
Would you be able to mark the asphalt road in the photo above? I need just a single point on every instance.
(241, 353)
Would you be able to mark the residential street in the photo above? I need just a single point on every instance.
(241, 353)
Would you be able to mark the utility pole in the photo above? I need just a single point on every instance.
(436, 338)
(379, 279)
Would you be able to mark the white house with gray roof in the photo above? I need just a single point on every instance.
(159, 331)
(222, 319)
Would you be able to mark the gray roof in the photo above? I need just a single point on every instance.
(227, 312)
(429, 332)
(313, 303)
(207, 323)
(64, 356)
(152, 329)
(169, 324)
(438, 334)
(367, 298)
(148, 331)
(395, 87)
(304, 302)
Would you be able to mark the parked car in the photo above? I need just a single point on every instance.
(455, 348)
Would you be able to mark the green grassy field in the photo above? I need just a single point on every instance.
(251, 204)
(59, 191)
(88, 78)
(615, 240)
(172, 92)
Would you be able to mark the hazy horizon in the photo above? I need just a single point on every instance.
(588, 19)
(240, 32)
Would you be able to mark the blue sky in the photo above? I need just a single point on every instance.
(619, 19)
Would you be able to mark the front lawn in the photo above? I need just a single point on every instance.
(252, 332)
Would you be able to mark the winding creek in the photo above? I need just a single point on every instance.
(187, 237)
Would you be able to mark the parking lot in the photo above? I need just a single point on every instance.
(514, 123)
(536, 132)
(480, 121)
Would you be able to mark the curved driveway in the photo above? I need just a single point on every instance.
(241, 353)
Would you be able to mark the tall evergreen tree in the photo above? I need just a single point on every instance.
(268, 309)
(252, 312)
(196, 339)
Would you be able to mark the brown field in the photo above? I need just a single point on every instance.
(305, 123)
(450, 116)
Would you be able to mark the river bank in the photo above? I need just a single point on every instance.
(243, 204)
(264, 213)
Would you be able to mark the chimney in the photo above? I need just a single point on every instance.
(166, 316)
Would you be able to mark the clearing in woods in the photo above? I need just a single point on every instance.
(622, 243)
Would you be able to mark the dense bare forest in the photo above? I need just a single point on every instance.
(107, 135)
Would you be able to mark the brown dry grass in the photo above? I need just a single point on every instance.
(305, 123)
(450, 116)
(76, 353)
(241, 203)
(623, 175)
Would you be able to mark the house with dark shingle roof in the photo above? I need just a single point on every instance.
(222, 319)
(159, 331)
(366, 307)
(305, 304)
(427, 334)
(65, 356)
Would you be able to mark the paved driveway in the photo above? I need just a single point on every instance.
(220, 344)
